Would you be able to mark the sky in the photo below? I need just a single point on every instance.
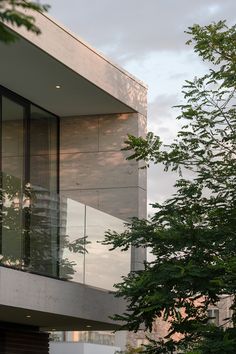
(146, 37)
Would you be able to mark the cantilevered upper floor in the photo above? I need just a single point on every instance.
(90, 84)
(65, 112)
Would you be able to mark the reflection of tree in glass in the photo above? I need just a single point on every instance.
(30, 231)
(11, 221)
(67, 267)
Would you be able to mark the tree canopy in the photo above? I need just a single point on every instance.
(192, 235)
(19, 14)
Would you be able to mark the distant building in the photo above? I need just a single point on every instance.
(65, 112)
(218, 314)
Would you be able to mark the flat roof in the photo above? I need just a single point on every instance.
(89, 83)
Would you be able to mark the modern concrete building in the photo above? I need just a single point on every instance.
(65, 111)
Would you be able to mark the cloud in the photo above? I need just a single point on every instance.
(128, 29)
(163, 123)
(162, 116)
(160, 185)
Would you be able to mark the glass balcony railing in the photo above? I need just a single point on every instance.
(82, 228)
(58, 237)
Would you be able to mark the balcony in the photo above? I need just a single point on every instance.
(58, 237)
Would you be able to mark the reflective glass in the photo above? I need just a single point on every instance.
(72, 240)
(83, 258)
(43, 243)
(103, 268)
(13, 228)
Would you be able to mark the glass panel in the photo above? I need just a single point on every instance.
(13, 230)
(43, 248)
(213, 315)
(83, 258)
(72, 240)
(103, 268)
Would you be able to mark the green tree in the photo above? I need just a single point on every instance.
(192, 235)
(15, 12)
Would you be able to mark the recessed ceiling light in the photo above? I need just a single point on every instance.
(28, 316)
(88, 326)
(58, 86)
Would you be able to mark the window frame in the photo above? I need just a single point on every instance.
(26, 104)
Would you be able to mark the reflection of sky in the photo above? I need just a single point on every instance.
(103, 268)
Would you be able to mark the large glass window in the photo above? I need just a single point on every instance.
(12, 146)
(29, 186)
(43, 182)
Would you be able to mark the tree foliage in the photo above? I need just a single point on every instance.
(18, 13)
(192, 235)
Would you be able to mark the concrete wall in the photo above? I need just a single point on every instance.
(94, 170)
(53, 304)
(81, 348)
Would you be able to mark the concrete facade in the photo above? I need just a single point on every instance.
(95, 171)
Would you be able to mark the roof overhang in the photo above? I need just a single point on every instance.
(52, 304)
(89, 84)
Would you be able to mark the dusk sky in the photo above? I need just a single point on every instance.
(147, 38)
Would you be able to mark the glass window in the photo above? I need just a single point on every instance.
(29, 184)
(12, 182)
(43, 150)
(213, 315)
(43, 188)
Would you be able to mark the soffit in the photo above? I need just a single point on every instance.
(51, 321)
(33, 74)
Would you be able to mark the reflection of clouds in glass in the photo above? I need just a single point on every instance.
(103, 268)
(72, 226)
(75, 213)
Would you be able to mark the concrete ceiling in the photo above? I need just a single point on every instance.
(50, 321)
(33, 74)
